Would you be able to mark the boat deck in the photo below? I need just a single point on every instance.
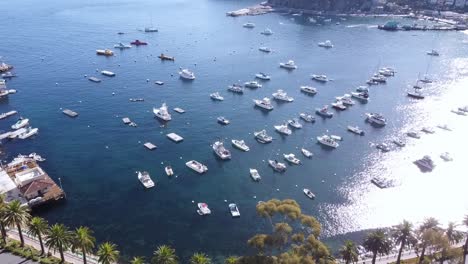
(126, 120)
(70, 113)
(150, 146)
(174, 137)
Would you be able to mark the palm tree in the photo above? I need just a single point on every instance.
(2, 221)
(404, 236)
(465, 247)
(83, 241)
(59, 238)
(453, 236)
(38, 227)
(16, 215)
(164, 255)
(377, 242)
(231, 260)
(349, 252)
(137, 260)
(429, 224)
(107, 253)
(200, 258)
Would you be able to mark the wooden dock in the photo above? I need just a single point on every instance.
(70, 113)
(150, 146)
(174, 137)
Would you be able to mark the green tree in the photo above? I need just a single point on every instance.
(16, 215)
(164, 254)
(2, 217)
(107, 253)
(38, 227)
(231, 260)
(454, 236)
(349, 252)
(137, 260)
(377, 243)
(465, 247)
(200, 258)
(424, 232)
(404, 236)
(59, 238)
(83, 241)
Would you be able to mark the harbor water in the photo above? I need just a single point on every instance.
(53, 47)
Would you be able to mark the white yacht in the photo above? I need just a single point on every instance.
(120, 45)
(252, 84)
(346, 99)
(262, 76)
(221, 151)
(383, 147)
(277, 166)
(426, 79)
(446, 156)
(363, 96)
(240, 144)
(307, 117)
(416, 93)
(203, 209)
(339, 105)
(281, 95)
(325, 44)
(196, 166)
(249, 25)
(376, 119)
(235, 88)
(327, 141)
(309, 90)
(399, 142)
(425, 164)
(36, 157)
(267, 32)
(362, 88)
(444, 127)
(356, 130)
(283, 129)
(308, 154)
(290, 65)
(223, 121)
(22, 122)
(413, 134)
(186, 74)
(309, 194)
(379, 78)
(234, 210)
(169, 171)
(319, 77)
(216, 96)
(28, 133)
(291, 158)
(324, 112)
(265, 49)
(428, 130)
(145, 179)
(295, 123)
(162, 113)
(458, 112)
(433, 53)
(255, 175)
(263, 137)
(150, 29)
(265, 103)
(387, 72)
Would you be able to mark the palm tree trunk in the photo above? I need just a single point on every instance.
(400, 251)
(42, 245)
(374, 257)
(4, 234)
(20, 234)
(421, 258)
(61, 255)
(84, 255)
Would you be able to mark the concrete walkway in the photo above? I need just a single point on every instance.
(8, 258)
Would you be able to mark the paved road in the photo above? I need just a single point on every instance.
(8, 258)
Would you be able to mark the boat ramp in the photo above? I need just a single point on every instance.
(174, 137)
(70, 113)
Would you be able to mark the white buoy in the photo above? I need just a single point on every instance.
(225, 201)
(255, 197)
(193, 201)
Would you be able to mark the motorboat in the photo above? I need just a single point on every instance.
(309, 194)
(150, 29)
(444, 127)
(382, 183)
(186, 74)
(235, 88)
(346, 100)
(203, 209)
(145, 179)
(252, 84)
(121, 46)
(22, 122)
(416, 94)
(309, 90)
(336, 138)
(433, 53)
(196, 166)
(221, 151)
(295, 123)
(267, 32)
(362, 88)
(387, 71)
(428, 130)
(283, 129)
(8, 75)
(323, 112)
(262, 76)
(165, 57)
(399, 142)
(363, 96)
(263, 137)
(265, 103)
(265, 49)
(36, 157)
(28, 133)
(325, 44)
(277, 166)
(290, 65)
(320, 77)
(376, 119)
(372, 82)
(291, 158)
(446, 156)
(458, 112)
(255, 175)
(339, 105)
(136, 100)
(222, 120)
(240, 144)
(249, 25)
(327, 141)
(234, 210)
(3, 84)
(169, 171)
(379, 78)
(383, 147)
(426, 79)
(281, 95)
(356, 130)
(216, 96)
(413, 134)
(138, 42)
(425, 164)
(308, 154)
(162, 113)
(307, 117)
(105, 52)
(463, 108)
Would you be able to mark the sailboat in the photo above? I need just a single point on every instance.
(151, 28)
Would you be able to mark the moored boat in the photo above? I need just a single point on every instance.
(222, 120)
(277, 166)
(234, 210)
(283, 129)
(203, 209)
(121, 46)
(327, 141)
(265, 103)
(186, 74)
(162, 113)
(252, 84)
(145, 179)
(163, 57)
(221, 151)
(323, 112)
(290, 65)
(307, 153)
(138, 42)
(22, 122)
(169, 171)
(28, 133)
(291, 158)
(236, 88)
(255, 175)
(309, 90)
(309, 194)
(240, 144)
(263, 137)
(356, 130)
(196, 166)
(105, 52)
(262, 76)
(307, 117)
(376, 119)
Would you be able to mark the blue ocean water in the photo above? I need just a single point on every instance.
(52, 46)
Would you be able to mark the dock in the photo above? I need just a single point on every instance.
(8, 114)
(150, 145)
(126, 120)
(179, 110)
(94, 79)
(70, 113)
(174, 137)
